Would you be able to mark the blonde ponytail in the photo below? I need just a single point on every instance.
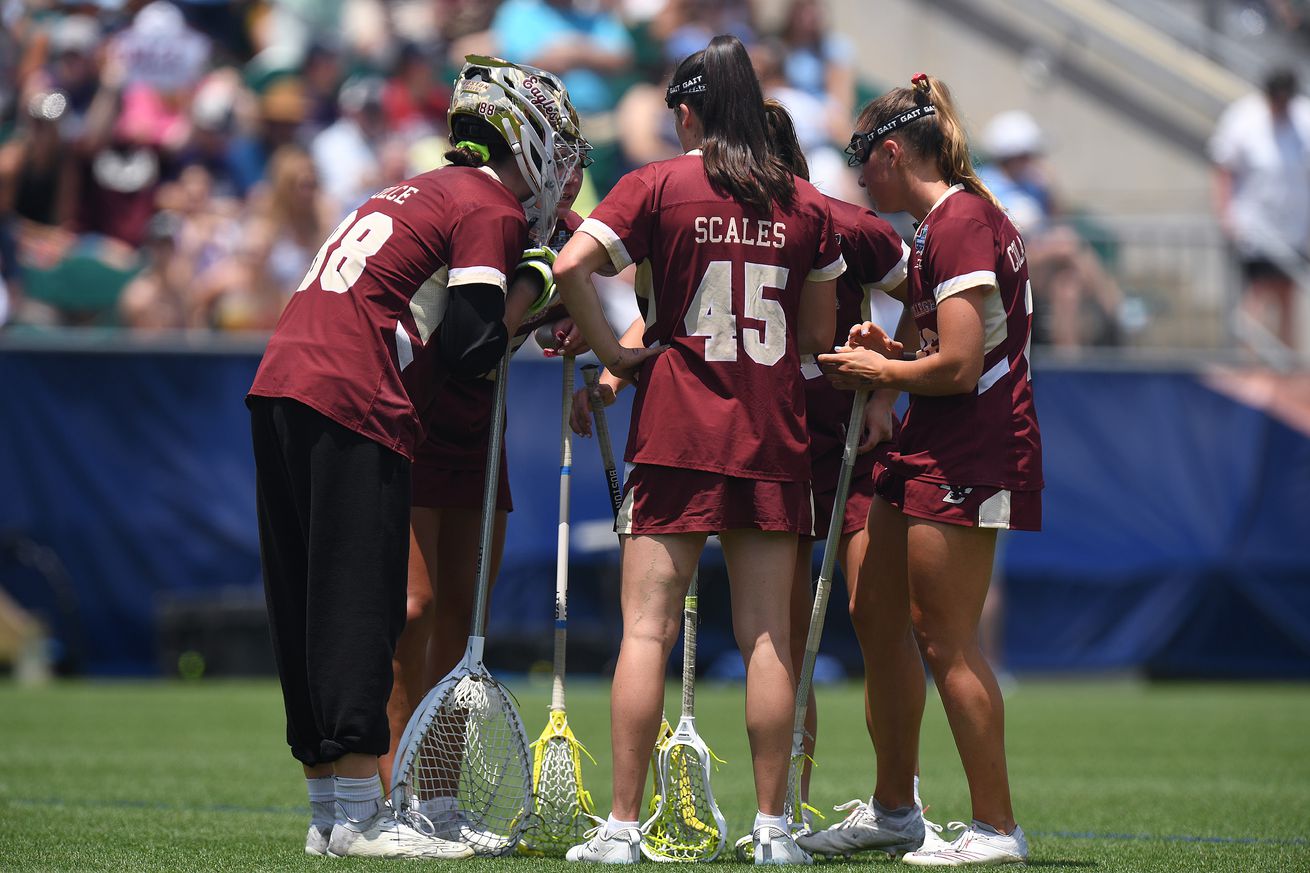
(936, 134)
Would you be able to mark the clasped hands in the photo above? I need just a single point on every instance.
(862, 362)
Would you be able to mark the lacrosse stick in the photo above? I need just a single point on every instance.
(687, 824)
(591, 373)
(794, 805)
(463, 760)
(563, 806)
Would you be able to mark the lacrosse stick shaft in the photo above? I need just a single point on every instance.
(689, 608)
(562, 545)
(854, 429)
(490, 488)
(591, 373)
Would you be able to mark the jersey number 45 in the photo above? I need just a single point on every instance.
(711, 314)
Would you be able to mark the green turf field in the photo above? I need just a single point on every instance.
(1107, 776)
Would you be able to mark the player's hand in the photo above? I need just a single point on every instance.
(566, 339)
(870, 336)
(854, 368)
(879, 419)
(580, 417)
(628, 363)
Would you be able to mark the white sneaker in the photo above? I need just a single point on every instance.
(316, 841)
(744, 848)
(621, 847)
(975, 847)
(932, 835)
(453, 824)
(863, 830)
(385, 835)
(775, 846)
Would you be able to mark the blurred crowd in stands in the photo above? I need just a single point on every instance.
(176, 164)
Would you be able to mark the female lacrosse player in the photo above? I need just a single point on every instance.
(739, 282)
(876, 262)
(967, 463)
(447, 475)
(337, 406)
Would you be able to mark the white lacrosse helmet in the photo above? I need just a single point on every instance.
(531, 110)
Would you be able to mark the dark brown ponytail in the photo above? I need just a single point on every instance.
(935, 136)
(719, 83)
(782, 138)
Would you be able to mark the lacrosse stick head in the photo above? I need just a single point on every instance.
(687, 824)
(464, 762)
(563, 808)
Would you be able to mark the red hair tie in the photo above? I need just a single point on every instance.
(920, 81)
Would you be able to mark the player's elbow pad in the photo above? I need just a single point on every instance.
(473, 334)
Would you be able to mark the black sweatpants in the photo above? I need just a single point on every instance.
(334, 543)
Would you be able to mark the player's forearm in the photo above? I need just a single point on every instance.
(579, 296)
(937, 375)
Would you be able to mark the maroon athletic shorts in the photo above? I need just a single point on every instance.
(669, 500)
(966, 505)
(858, 502)
(436, 488)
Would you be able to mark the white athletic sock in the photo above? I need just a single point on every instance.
(614, 825)
(773, 821)
(322, 801)
(434, 806)
(359, 799)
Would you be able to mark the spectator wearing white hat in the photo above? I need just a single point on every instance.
(1077, 302)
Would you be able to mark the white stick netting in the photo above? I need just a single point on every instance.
(470, 771)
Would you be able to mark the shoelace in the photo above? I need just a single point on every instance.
(949, 826)
(411, 817)
(861, 810)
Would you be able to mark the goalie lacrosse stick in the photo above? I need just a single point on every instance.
(687, 824)
(793, 805)
(463, 760)
(563, 806)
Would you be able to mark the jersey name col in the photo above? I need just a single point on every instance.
(722, 287)
(876, 262)
(988, 436)
(357, 341)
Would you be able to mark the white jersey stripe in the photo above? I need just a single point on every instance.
(992, 376)
(896, 275)
(832, 271)
(477, 276)
(976, 279)
(601, 232)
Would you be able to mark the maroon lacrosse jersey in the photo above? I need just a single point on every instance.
(723, 286)
(459, 418)
(988, 436)
(876, 262)
(356, 342)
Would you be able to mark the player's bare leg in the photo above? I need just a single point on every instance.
(408, 663)
(656, 573)
(760, 571)
(894, 682)
(950, 569)
(456, 578)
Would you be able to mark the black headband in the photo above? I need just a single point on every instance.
(862, 143)
(695, 85)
